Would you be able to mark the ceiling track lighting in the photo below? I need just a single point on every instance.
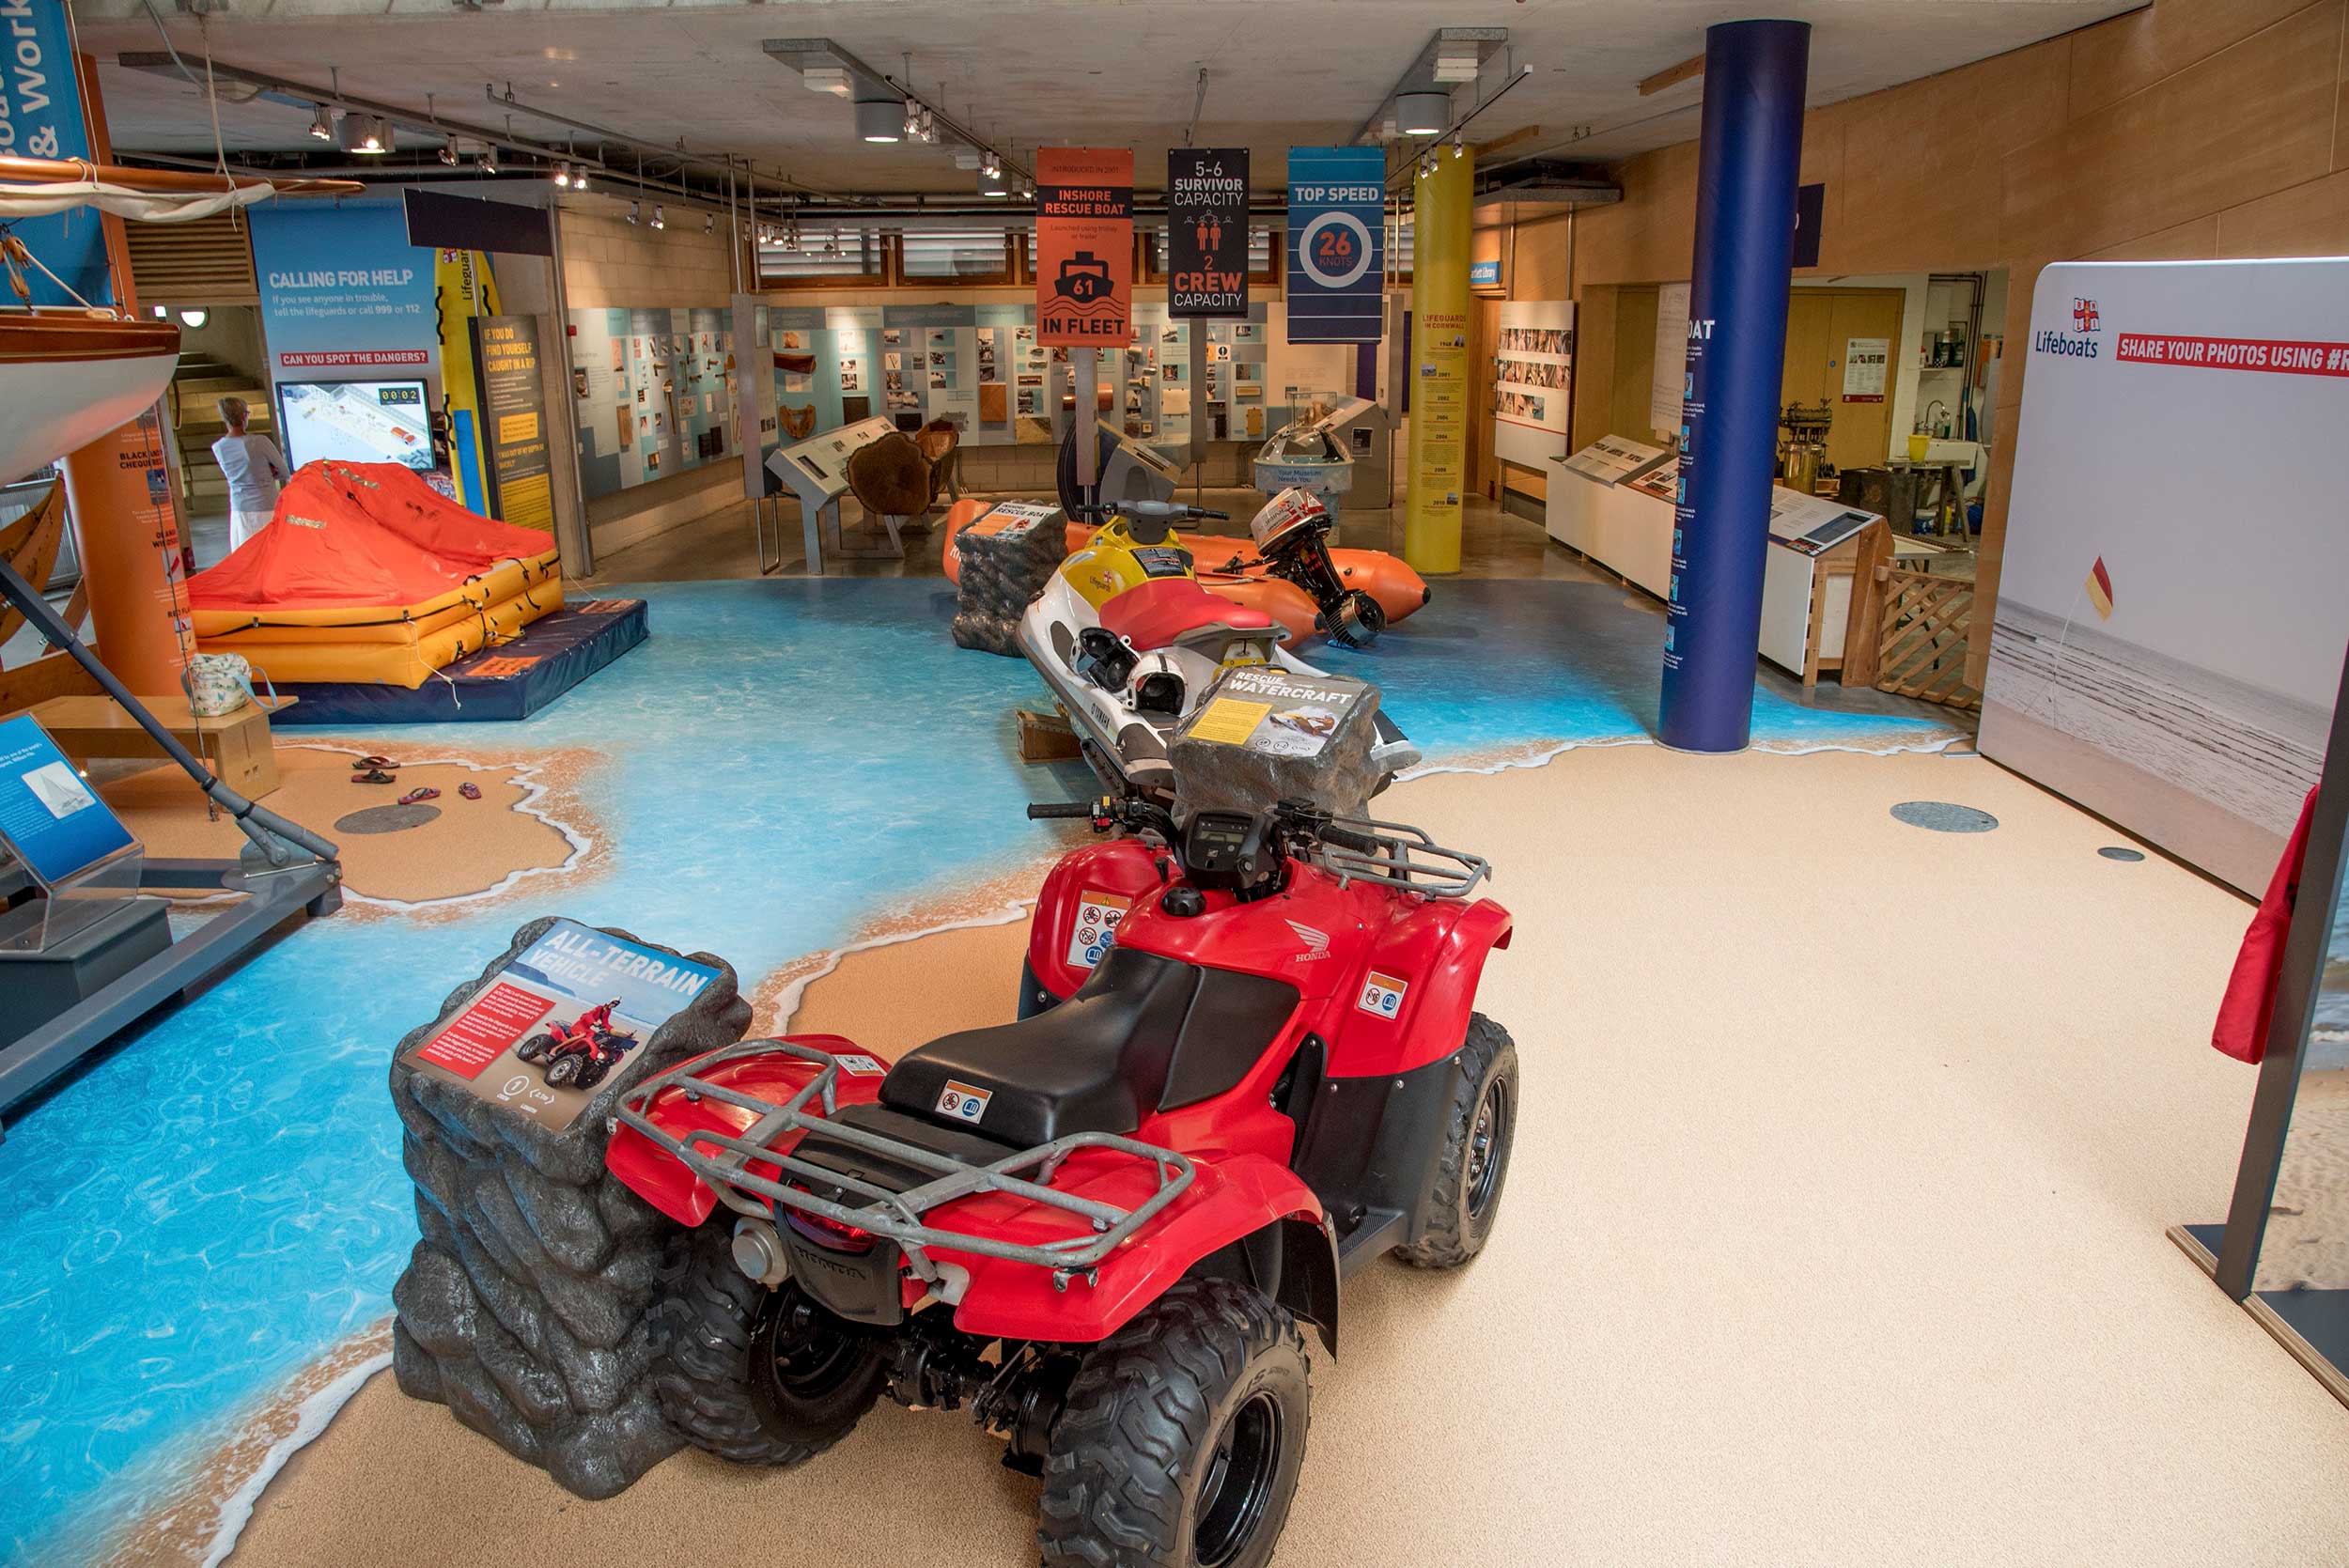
(659, 216)
(710, 223)
(488, 159)
(323, 124)
(449, 153)
(635, 211)
(563, 175)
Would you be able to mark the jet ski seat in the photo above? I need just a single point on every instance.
(1167, 609)
(1143, 1033)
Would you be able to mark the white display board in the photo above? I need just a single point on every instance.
(1533, 380)
(1671, 377)
(1612, 460)
(2174, 599)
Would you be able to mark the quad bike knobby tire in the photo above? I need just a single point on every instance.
(1457, 1215)
(535, 1048)
(1182, 1437)
(563, 1070)
(755, 1375)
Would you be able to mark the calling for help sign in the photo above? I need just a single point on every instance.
(1084, 246)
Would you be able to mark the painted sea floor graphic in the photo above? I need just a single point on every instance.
(218, 1202)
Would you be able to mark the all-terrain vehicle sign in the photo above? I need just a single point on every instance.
(1099, 1227)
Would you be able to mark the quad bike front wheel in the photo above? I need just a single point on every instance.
(1182, 1437)
(564, 1071)
(755, 1375)
(1456, 1214)
(535, 1048)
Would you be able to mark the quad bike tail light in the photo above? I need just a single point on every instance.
(831, 1234)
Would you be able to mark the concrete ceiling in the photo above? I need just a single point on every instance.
(1023, 72)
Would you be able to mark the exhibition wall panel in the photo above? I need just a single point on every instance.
(2176, 132)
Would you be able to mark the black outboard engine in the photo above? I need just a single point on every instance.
(1292, 533)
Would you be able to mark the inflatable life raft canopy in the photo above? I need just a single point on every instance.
(367, 573)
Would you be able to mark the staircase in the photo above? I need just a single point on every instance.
(195, 386)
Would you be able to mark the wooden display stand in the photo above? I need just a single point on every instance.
(237, 744)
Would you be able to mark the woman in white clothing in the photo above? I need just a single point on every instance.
(254, 467)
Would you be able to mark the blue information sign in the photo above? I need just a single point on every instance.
(1337, 219)
(48, 815)
(1485, 275)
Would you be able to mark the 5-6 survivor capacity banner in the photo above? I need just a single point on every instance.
(1206, 233)
(1084, 246)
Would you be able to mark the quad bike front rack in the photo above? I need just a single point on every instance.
(722, 1160)
(1410, 860)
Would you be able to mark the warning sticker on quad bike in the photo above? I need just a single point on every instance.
(552, 1026)
(964, 1102)
(1382, 994)
(1097, 914)
(859, 1063)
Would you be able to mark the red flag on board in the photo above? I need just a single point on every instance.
(2100, 589)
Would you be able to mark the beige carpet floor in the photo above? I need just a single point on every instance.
(1834, 1233)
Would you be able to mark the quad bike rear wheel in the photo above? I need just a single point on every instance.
(755, 1375)
(1456, 1214)
(1182, 1437)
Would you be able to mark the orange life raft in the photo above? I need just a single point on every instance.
(367, 573)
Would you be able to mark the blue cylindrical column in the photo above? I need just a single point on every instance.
(1749, 155)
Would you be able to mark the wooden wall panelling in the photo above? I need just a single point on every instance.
(2138, 49)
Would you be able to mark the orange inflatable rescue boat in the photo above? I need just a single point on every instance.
(1236, 570)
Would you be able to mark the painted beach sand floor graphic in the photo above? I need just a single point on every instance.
(215, 1207)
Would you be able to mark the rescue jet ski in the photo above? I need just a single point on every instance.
(1129, 641)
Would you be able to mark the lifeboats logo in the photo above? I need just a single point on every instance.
(2081, 343)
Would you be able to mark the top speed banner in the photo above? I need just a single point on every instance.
(1206, 233)
(1085, 247)
(1337, 213)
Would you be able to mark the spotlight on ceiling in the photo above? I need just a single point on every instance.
(659, 216)
(449, 153)
(563, 175)
(881, 119)
(376, 137)
(991, 165)
(914, 120)
(710, 223)
(635, 211)
(192, 318)
(991, 183)
(930, 124)
(1421, 114)
(488, 159)
(323, 124)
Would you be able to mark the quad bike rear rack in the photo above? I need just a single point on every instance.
(1411, 861)
(723, 1164)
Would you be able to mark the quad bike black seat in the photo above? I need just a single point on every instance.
(1143, 1033)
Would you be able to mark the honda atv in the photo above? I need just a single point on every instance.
(580, 1054)
(1099, 1227)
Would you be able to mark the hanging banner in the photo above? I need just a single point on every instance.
(1337, 216)
(1206, 233)
(514, 417)
(41, 116)
(1085, 247)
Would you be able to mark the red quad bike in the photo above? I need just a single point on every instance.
(1098, 1226)
(578, 1054)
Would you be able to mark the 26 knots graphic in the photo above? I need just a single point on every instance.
(1084, 281)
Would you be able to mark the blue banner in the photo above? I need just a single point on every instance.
(41, 116)
(344, 295)
(1337, 224)
(48, 815)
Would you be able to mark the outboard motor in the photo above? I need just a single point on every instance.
(1292, 533)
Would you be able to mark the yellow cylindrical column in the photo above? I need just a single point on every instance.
(1443, 210)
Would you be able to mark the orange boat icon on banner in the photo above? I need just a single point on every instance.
(1084, 279)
